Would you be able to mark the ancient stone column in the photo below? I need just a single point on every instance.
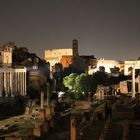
(24, 83)
(48, 93)
(139, 84)
(42, 100)
(1, 85)
(4, 79)
(73, 134)
(133, 83)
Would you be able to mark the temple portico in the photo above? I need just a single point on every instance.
(12, 81)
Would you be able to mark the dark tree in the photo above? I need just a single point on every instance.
(100, 77)
(115, 70)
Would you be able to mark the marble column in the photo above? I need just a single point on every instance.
(4, 78)
(133, 83)
(42, 100)
(24, 83)
(1, 85)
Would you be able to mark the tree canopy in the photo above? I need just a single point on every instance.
(69, 81)
(80, 84)
(100, 77)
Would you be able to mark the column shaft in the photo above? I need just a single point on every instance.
(133, 83)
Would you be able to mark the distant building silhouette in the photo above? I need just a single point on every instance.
(128, 66)
(70, 57)
(66, 61)
(54, 56)
(107, 64)
(91, 63)
(75, 47)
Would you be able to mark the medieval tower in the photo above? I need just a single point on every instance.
(75, 48)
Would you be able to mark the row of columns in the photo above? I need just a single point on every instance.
(12, 83)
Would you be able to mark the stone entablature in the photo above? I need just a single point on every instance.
(128, 65)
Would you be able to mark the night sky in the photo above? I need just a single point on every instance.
(108, 29)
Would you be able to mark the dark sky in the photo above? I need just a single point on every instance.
(106, 28)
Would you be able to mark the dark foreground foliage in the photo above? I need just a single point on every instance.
(12, 106)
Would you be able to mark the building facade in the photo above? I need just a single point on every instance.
(91, 63)
(66, 61)
(107, 64)
(64, 56)
(71, 56)
(54, 56)
(12, 79)
(128, 66)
